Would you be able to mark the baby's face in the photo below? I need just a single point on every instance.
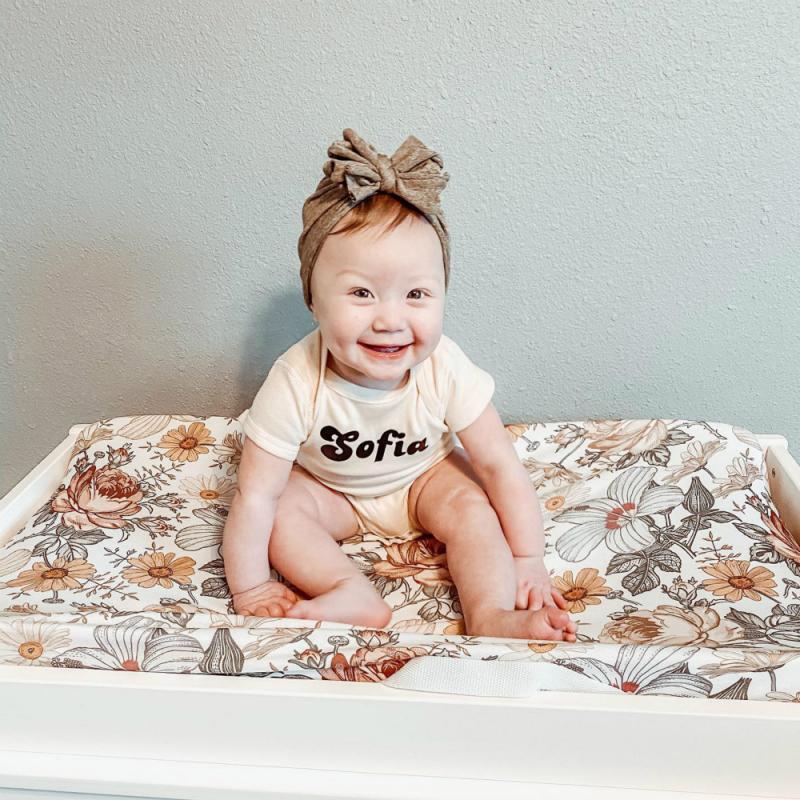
(368, 289)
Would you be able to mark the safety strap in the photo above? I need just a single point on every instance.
(491, 678)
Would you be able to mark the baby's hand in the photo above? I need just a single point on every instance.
(534, 589)
(269, 599)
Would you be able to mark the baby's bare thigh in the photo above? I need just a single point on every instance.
(305, 496)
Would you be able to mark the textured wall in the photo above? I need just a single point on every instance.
(622, 204)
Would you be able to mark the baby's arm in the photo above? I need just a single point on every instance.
(506, 482)
(516, 503)
(245, 540)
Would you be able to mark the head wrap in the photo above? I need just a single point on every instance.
(354, 172)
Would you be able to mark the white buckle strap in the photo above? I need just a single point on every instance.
(491, 678)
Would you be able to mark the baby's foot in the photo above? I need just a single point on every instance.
(547, 623)
(268, 599)
(352, 600)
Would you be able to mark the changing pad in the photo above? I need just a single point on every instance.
(661, 534)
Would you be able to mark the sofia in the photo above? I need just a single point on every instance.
(342, 451)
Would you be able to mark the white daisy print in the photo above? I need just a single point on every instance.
(210, 489)
(27, 643)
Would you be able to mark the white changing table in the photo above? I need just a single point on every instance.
(198, 736)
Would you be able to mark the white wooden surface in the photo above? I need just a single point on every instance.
(201, 736)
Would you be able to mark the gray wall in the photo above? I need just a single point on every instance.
(622, 203)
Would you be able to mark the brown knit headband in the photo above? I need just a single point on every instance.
(356, 171)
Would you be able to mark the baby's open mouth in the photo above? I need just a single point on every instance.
(384, 349)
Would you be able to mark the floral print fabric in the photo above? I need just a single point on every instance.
(661, 535)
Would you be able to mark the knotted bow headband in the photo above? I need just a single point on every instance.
(356, 171)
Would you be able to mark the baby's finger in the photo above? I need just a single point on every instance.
(561, 602)
(535, 599)
(547, 599)
(521, 600)
(289, 594)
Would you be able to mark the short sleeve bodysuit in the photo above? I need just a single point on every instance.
(362, 441)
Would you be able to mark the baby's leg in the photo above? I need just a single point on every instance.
(309, 556)
(454, 508)
(482, 568)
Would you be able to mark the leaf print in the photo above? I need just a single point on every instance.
(658, 457)
(14, 560)
(785, 633)
(144, 426)
(743, 435)
(216, 567)
(209, 534)
(215, 587)
(642, 579)
(622, 562)
(750, 530)
(752, 625)
(765, 553)
(666, 560)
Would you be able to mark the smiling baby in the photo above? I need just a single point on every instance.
(352, 429)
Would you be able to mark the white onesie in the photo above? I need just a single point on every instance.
(362, 442)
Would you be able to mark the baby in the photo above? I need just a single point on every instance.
(352, 430)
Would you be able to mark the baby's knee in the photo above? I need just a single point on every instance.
(471, 507)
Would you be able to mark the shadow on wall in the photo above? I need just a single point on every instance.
(273, 330)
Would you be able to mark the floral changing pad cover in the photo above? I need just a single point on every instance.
(693, 591)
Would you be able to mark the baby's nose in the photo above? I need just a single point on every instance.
(388, 318)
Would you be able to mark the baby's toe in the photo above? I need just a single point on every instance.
(281, 607)
(297, 611)
(557, 618)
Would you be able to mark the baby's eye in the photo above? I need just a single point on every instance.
(420, 294)
(355, 292)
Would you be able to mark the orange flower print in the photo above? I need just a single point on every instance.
(611, 436)
(541, 471)
(452, 628)
(230, 451)
(62, 575)
(159, 568)
(780, 537)
(585, 589)
(370, 665)
(516, 429)
(671, 626)
(733, 579)
(98, 498)
(183, 445)
(424, 558)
